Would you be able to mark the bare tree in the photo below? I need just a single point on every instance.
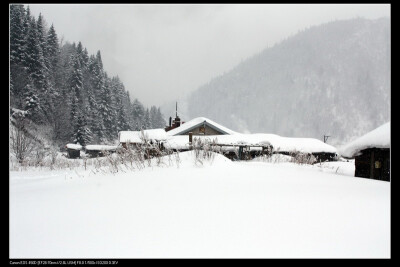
(21, 144)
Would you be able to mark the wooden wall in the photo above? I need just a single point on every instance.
(373, 163)
(203, 131)
(73, 154)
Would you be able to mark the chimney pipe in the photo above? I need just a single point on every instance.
(170, 119)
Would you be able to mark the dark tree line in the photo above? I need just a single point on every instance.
(63, 86)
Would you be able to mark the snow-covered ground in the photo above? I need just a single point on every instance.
(221, 210)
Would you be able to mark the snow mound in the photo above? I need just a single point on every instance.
(275, 158)
(188, 159)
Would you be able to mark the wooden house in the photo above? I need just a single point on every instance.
(200, 126)
(180, 137)
(371, 153)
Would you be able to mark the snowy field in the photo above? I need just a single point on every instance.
(220, 210)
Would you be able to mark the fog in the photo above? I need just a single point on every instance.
(163, 51)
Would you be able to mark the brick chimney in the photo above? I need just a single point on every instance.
(176, 122)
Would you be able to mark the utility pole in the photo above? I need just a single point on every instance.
(326, 138)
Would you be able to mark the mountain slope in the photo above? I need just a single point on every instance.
(330, 79)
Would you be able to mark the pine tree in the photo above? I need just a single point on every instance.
(156, 118)
(34, 58)
(96, 82)
(105, 109)
(122, 124)
(77, 81)
(146, 123)
(26, 27)
(62, 79)
(99, 61)
(17, 39)
(137, 114)
(18, 75)
(28, 16)
(36, 68)
(82, 133)
(88, 135)
(90, 115)
(82, 55)
(102, 88)
(77, 118)
(74, 112)
(62, 86)
(65, 70)
(52, 51)
(120, 105)
(90, 106)
(52, 58)
(41, 36)
(153, 117)
(97, 75)
(32, 103)
(160, 122)
(85, 57)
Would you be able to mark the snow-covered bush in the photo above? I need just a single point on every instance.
(302, 158)
(204, 149)
(274, 158)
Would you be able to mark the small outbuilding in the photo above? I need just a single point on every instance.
(73, 150)
(371, 153)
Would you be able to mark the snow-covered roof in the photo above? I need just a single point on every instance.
(73, 146)
(305, 145)
(279, 143)
(378, 138)
(136, 136)
(187, 126)
(100, 147)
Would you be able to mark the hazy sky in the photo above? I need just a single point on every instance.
(163, 51)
